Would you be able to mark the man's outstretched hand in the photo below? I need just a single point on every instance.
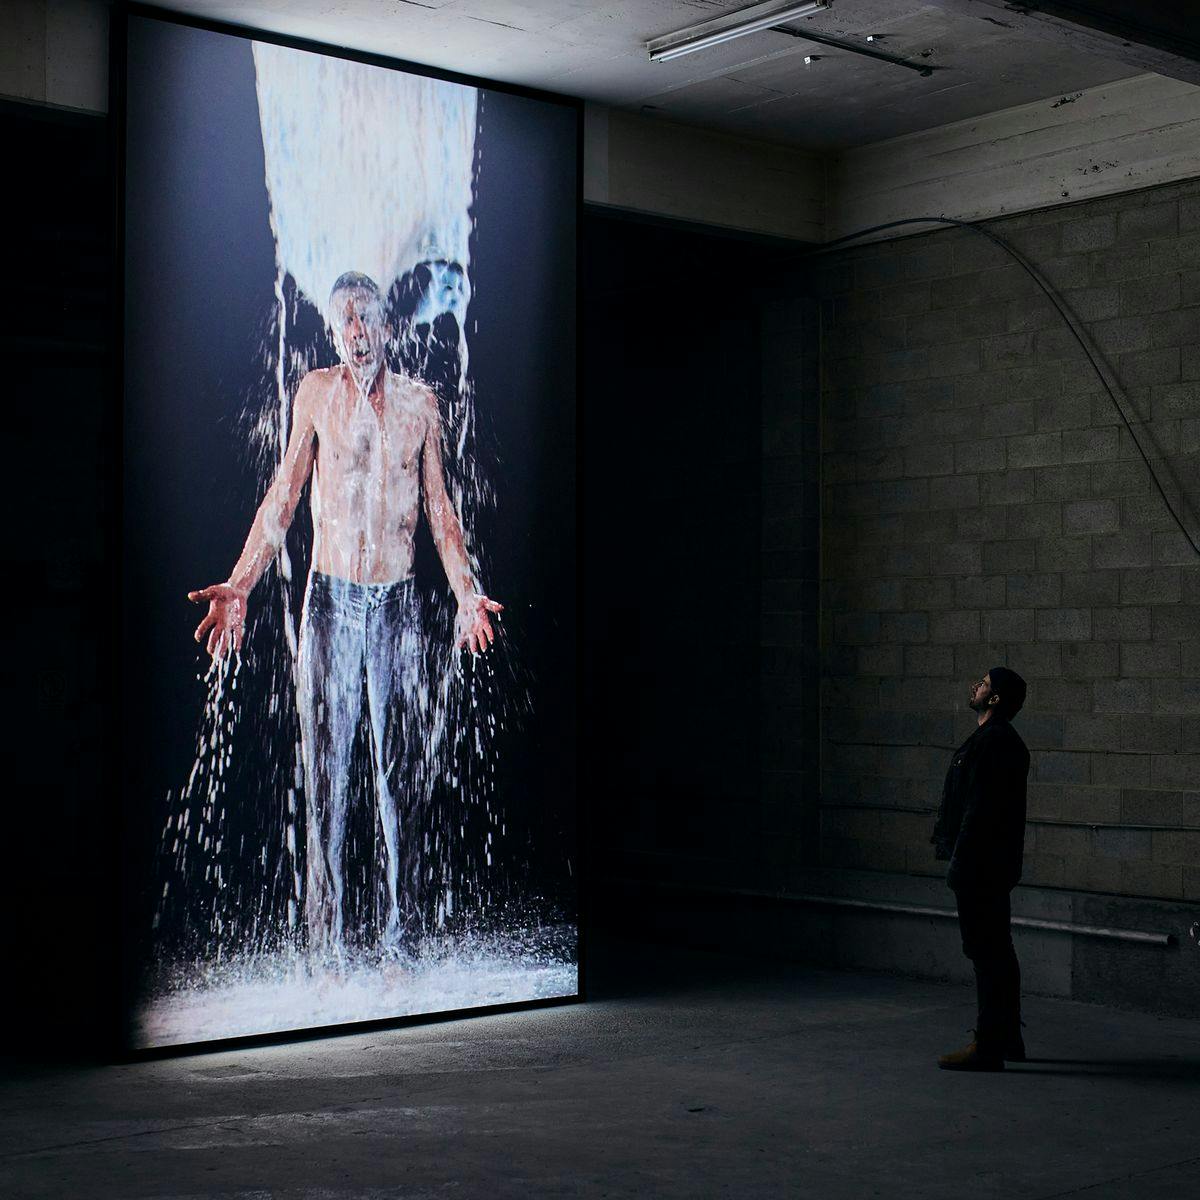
(473, 629)
(225, 621)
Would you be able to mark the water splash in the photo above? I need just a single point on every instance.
(368, 170)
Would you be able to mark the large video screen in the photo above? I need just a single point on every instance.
(348, 577)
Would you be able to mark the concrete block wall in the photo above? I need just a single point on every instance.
(983, 503)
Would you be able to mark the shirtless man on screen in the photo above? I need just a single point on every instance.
(372, 441)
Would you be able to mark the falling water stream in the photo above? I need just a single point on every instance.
(369, 170)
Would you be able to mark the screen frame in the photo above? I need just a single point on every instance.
(122, 1041)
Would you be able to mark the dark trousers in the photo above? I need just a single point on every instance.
(984, 918)
(358, 638)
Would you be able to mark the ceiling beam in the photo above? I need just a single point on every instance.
(1146, 34)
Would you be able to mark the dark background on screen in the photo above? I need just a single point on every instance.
(200, 273)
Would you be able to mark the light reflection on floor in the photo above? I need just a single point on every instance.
(270, 994)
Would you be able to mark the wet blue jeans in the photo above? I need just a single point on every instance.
(351, 635)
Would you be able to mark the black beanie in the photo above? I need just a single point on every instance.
(1010, 687)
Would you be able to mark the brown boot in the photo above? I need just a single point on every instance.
(970, 1058)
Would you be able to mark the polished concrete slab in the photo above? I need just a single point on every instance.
(689, 1074)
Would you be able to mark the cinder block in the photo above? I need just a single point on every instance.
(903, 495)
(1127, 844)
(1072, 411)
(953, 491)
(1172, 400)
(1078, 802)
(1070, 482)
(1099, 874)
(1173, 254)
(934, 661)
(1006, 349)
(1033, 591)
(1034, 520)
(1150, 294)
(1191, 584)
(1064, 624)
(1089, 660)
(1009, 625)
(956, 558)
(1149, 221)
(1012, 487)
(980, 591)
(981, 524)
(1118, 264)
(1044, 870)
(1189, 213)
(1191, 883)
(1090, 589)
(1145, 367)
(1035, 450)
(1053, 342)
(1120, 478)
(1066, 840)
(1150, 659)
(1180, 846)
(954, 626)
(1090, 445)
(982, 454)
(1018, 554)
(905, 299)
(1143, 806)
(904, 628)
(1123, 696)
(931, 593)
(1008, 418)
(930, 261)
(931, 459)
(1121, 770)
(1091, 516)
(1039, 661)
(1088, 233)
(1142, 877)
(1123, 334)
(1089, 731)
(1151, 733)
(1130, 548)
(1180, 622)
(1157, 585)
(938, 526)
(1175, 771)
(1093, 303)
(1064, 553)
(1176, 696)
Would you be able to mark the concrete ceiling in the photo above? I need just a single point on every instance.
(984, 58)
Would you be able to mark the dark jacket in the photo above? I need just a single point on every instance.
(981, 820)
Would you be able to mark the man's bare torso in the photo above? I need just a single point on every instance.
(366, 486)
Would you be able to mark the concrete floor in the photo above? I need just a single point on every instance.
(688, 1075)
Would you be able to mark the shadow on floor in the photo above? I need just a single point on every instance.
(1185, 1069)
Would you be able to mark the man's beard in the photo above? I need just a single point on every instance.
(978, 705)
(364, 370)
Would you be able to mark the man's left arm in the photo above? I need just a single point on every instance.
(968, 861)
(473, 627)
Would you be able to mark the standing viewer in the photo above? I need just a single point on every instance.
(981, 830)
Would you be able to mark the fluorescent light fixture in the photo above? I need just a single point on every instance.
(729, 26)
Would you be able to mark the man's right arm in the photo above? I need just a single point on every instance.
(278, 507)
(225, 620)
